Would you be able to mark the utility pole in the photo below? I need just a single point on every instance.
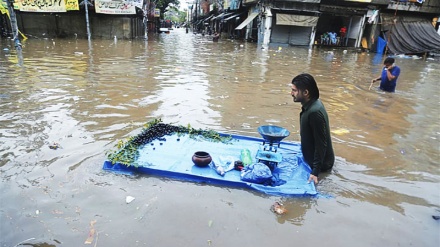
(196, 16)
(86, 7)
(14, 26)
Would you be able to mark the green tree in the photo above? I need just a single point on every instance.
(174, 14)
(163, 5)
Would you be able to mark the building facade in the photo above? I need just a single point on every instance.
(348, 23)
(73, 18)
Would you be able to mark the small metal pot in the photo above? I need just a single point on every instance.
(201, 158)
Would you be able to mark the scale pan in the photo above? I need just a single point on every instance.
(272, 133)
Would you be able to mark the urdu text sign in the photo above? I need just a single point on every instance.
(114, 7)
(43, 5)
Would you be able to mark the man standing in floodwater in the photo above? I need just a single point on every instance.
(388, 78)
(316, 143)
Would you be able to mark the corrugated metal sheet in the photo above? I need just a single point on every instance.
(292, 35)
(280, 34)
(300, 35)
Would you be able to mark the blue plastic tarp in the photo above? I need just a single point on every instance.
(172, 157)
(381, 44)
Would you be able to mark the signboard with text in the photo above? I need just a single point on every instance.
(42, 5)
(114, 7)
(72, 5)
(4, 9)
(136, 3)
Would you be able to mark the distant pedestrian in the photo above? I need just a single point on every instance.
(316, 143)
(216, 37)
(388, 78)
(342, 33)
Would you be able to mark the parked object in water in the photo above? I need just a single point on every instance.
(164, 30)
(216, 37)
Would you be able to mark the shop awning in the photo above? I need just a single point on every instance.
(218, 16)
(207, 19)
(199, 21)
(250, 18)
(222, 15)
(232, 16)
(296, 20)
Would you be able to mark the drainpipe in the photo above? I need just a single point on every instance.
(267, 26)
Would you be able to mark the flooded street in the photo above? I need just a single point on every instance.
(383, 191)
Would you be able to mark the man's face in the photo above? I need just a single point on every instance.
(388, 65)
(297, 95)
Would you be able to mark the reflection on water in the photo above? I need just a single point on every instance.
(86, 96)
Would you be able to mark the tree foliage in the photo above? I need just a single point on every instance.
(175, 15)
(163, 4)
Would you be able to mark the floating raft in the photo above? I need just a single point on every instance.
(171, 156)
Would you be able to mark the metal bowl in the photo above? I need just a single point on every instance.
(272, 133)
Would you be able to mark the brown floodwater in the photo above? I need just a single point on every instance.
(384, 188)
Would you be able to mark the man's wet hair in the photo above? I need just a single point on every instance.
(389, 60)
(306, 81)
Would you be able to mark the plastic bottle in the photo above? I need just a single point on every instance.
(218, 168)
(245, 157)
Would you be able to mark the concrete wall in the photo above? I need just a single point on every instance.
(71, 25)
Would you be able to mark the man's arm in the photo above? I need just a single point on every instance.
(319, 128)
(376, 79)
(390, 75)
(393, 73)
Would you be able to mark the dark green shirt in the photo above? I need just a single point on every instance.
(316, 143)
